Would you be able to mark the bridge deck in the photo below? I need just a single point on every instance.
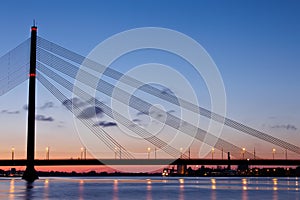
(70, 162)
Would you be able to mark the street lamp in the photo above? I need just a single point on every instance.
(212, 153)
(181, 152)
(286, 154)
(273, 152)
(243, 152)
(222, 152)
(81, 153)
(148, 149)
(47, 153)
(115, 152)
(12, 153)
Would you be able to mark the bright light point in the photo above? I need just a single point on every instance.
(213, 181)
(181, 181)
(244, 181)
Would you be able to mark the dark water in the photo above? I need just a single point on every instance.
(151, 188)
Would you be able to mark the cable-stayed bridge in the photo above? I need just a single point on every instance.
(56, 68)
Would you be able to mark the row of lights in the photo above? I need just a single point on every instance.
(83, 153)
(243, 153)
(181, 152)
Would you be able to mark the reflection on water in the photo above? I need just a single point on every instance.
(29, 190)
(244, 187)
(81, 189)
(244, 183)
(118, 188)
(12, 189)
(46, 189)
(149, 189)
(115, 190)
(181, 189)
(213, 184)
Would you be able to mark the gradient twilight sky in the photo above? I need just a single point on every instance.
(255, 45)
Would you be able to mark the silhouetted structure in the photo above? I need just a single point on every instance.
(30, 173)
(228, 157)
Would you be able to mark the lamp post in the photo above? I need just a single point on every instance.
(181, 152)
(222, 153)
(115, 152)
(286, 154)
(148, 150)
(273, 152)
(47, 153)
(243, 152)
(12, 153)
(81, 153)
(212, 153)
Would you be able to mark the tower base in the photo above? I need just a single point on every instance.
(30, 174)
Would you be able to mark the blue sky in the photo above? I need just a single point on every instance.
(255, 45)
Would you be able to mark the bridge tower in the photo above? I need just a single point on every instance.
(30, 173)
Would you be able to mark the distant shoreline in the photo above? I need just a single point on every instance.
(200, 172)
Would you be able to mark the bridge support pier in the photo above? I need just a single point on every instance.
(30, 173)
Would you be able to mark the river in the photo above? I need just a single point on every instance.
(160, 188)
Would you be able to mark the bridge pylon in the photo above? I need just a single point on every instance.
(30, 173)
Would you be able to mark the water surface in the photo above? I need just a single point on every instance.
(151, 188)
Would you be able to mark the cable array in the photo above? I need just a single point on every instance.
(74, 57)
(14, 67)
(104, 87)
(108, 111)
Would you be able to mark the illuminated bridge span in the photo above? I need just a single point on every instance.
(66, 162)
(57, 67)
